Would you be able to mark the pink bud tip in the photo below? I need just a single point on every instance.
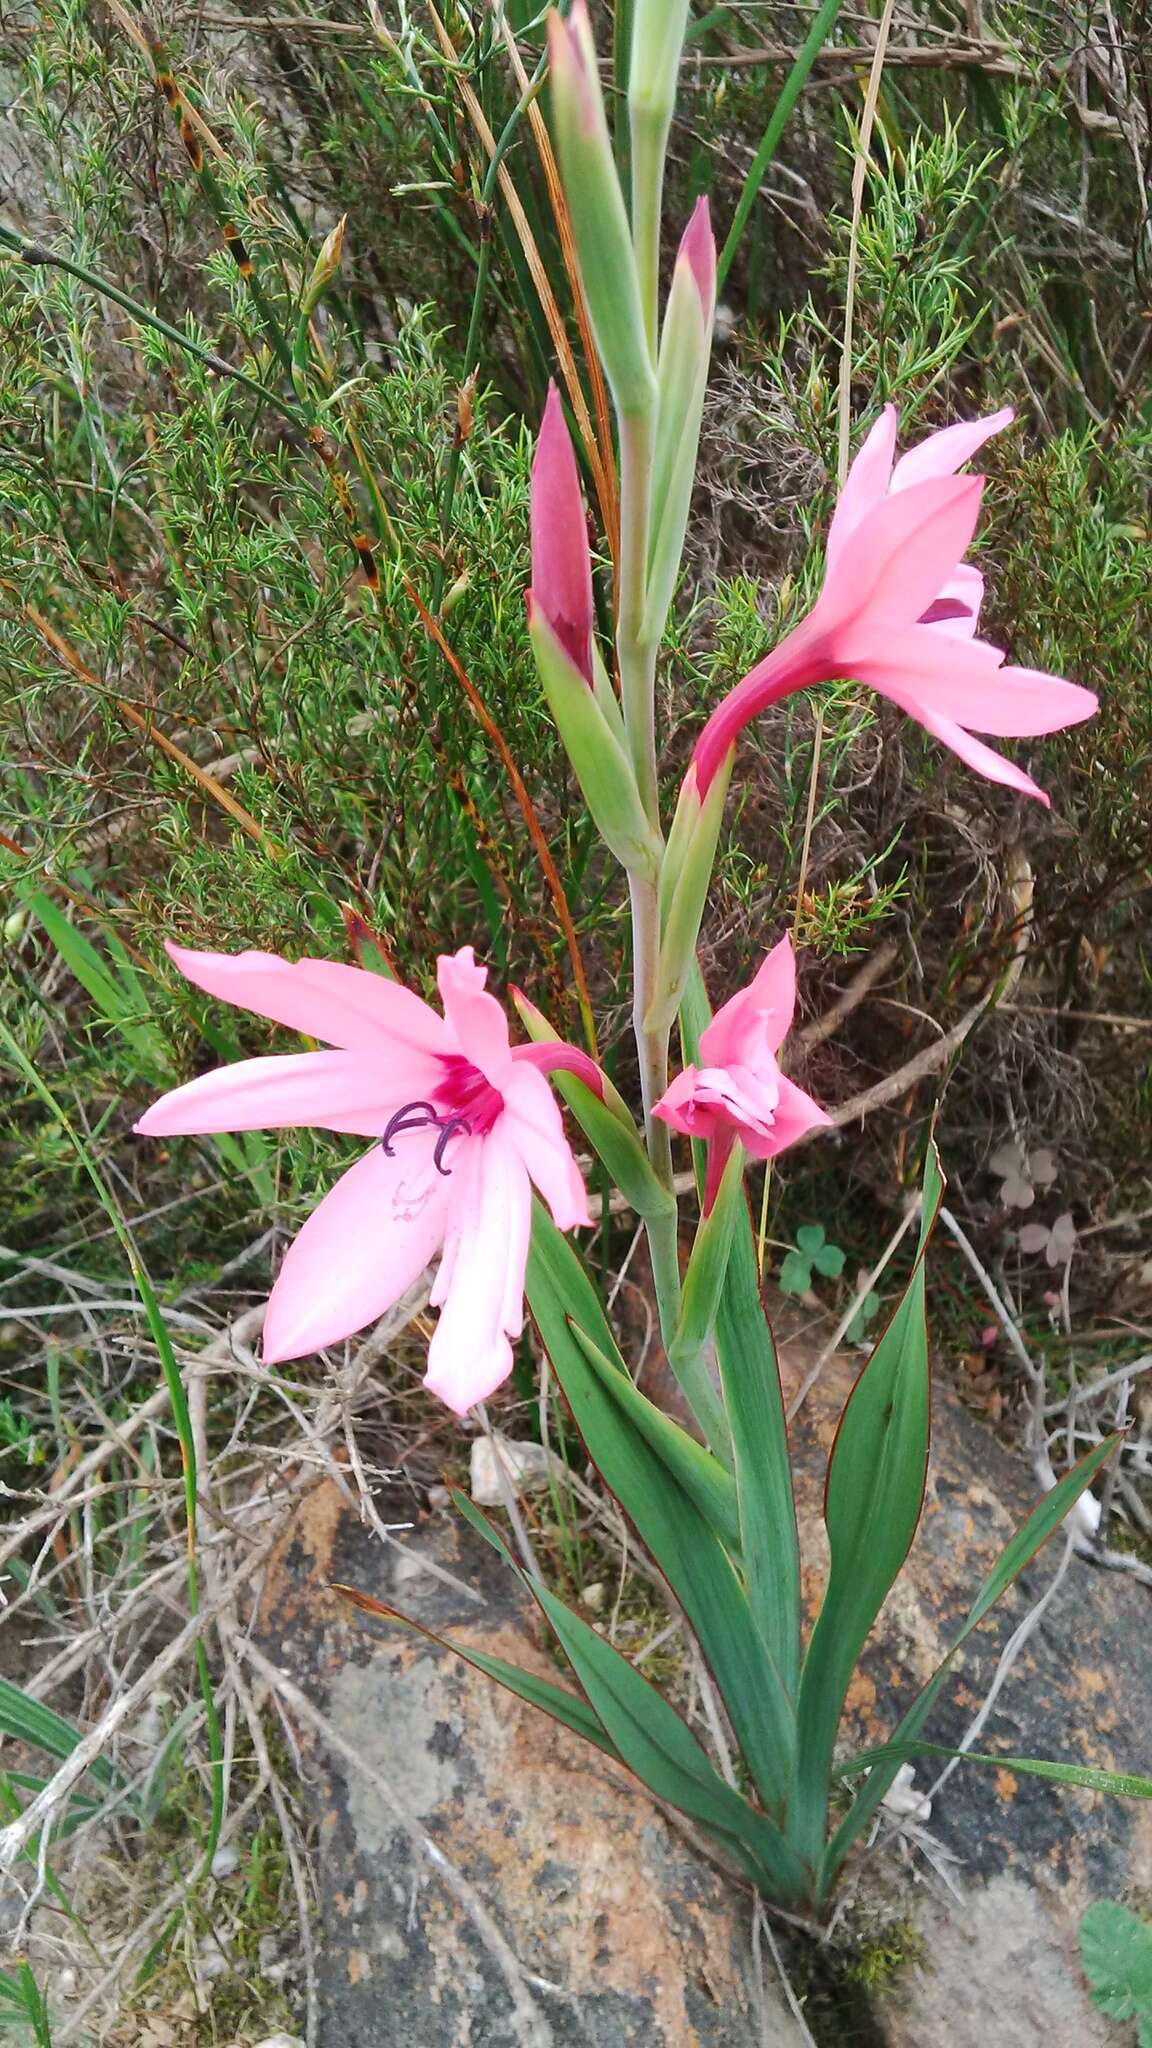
(698, 250)
(561, 562)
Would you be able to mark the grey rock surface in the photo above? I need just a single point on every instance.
(995, 1974)
(633, 1941)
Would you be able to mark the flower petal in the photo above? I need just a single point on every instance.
(985, 760)
(796, 1114)
(556, 1056)
(762, 1012)
(370, 1238)
(901, 555)
(475, 1020)
(957, 608)
(346, 1006)
(678, 1106)
(865, 485)
(943, 453)
(922, 668)
(536, 1129)
(332, 1091)
(481, 1278)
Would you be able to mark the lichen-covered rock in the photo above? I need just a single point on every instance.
(997, 1944)
(627, 1938)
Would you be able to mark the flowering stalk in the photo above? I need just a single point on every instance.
(466, 1155)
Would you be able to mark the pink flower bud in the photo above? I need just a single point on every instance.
(698, 250)
(561, 562)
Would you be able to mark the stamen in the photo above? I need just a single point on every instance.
(415, 1116)
(448, 1129)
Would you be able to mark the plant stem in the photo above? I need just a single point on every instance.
(36, 254)
(652, 1053)
(637, 661)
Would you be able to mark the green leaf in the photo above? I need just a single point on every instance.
(795, 1273)
(600, 220)
(704, 1280)
(565, 1707)
(1123, 1784)
(1116, 1956)
(750, 1377)
(122, 1000)
(829, 1261)
(702, 1476)
(872, 1505)
(1017, 1553)
(810, 1238)
(667, 1520)
(28, 1720)
(684, 883)
(649, 1735)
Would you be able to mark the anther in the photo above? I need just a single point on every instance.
(415, 1116)
(448, 1129)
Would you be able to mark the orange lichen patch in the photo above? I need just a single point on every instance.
(359, 1966)
(301, 1562)
(1007, 1785)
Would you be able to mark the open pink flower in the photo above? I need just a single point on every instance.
(898, 611)
(464, 1122)
(739, 1092)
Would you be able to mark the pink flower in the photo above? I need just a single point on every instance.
(464, 1123)
(740, 1092)
(898, 611)
(561, 591)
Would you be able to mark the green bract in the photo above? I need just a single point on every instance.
(599, 762)
(599, 219)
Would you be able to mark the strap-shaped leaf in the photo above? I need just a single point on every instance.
(872, 1504)
(653, 1741)
(29, 1720)
(702, 1476)
(565, 1707)
(666, 1518)
(1031, 1537)
(750, 1376)
(1124, 1784)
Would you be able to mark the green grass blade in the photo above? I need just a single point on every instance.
(178, 1400)
(29, 1720)
(1123, 1784)
(790, 91)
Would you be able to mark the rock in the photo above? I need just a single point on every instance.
(525, 1467)
(627, 1938)
(1024, 1856)
(997, 1976)
(226, 1860)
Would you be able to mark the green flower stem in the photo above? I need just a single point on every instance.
(637, 660)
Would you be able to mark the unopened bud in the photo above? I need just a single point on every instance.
(325, 268)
